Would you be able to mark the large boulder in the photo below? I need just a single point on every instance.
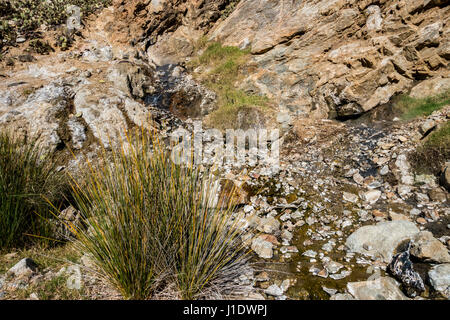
(382, 239)
(383, 288)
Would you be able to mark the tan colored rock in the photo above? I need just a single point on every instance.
(431, 87)
(428, 248)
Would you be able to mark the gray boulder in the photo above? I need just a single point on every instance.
(440, 279)
(382, 239)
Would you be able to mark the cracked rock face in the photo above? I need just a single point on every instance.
(316, 58)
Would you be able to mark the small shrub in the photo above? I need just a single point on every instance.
(25, 16)
(151, 224)
(230, 8)
(26, 177)
(411, 108)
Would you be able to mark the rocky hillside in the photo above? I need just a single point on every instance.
(315, 58)
(359, 208)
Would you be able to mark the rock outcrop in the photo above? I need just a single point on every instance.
(168, 28)
(315, 58)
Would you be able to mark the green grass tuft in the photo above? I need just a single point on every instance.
(152, 225)
(411, 108)
(224, 64)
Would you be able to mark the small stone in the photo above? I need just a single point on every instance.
(331, 292)
(397, 217)
(323, 273)
(333, 267)
(269, 225)
(427, 126)
(340, 276)
(274, 290)
(350, 197)
(34, 296)
(74, 280)
(421, 221)
(384, 170)
(404, 191)
(310, 254)
(342, 296)
(261, 277)
(262, 248)
(286, 235)
(285, 285)
(328, 246)
(358, 178)
(372, 196)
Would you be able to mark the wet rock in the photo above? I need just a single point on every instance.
(383, 288)
(381, 239)
(440, 279)
(428, 248)
(402, 268)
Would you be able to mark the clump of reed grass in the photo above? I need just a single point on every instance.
(152, 224)
(28, 177)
